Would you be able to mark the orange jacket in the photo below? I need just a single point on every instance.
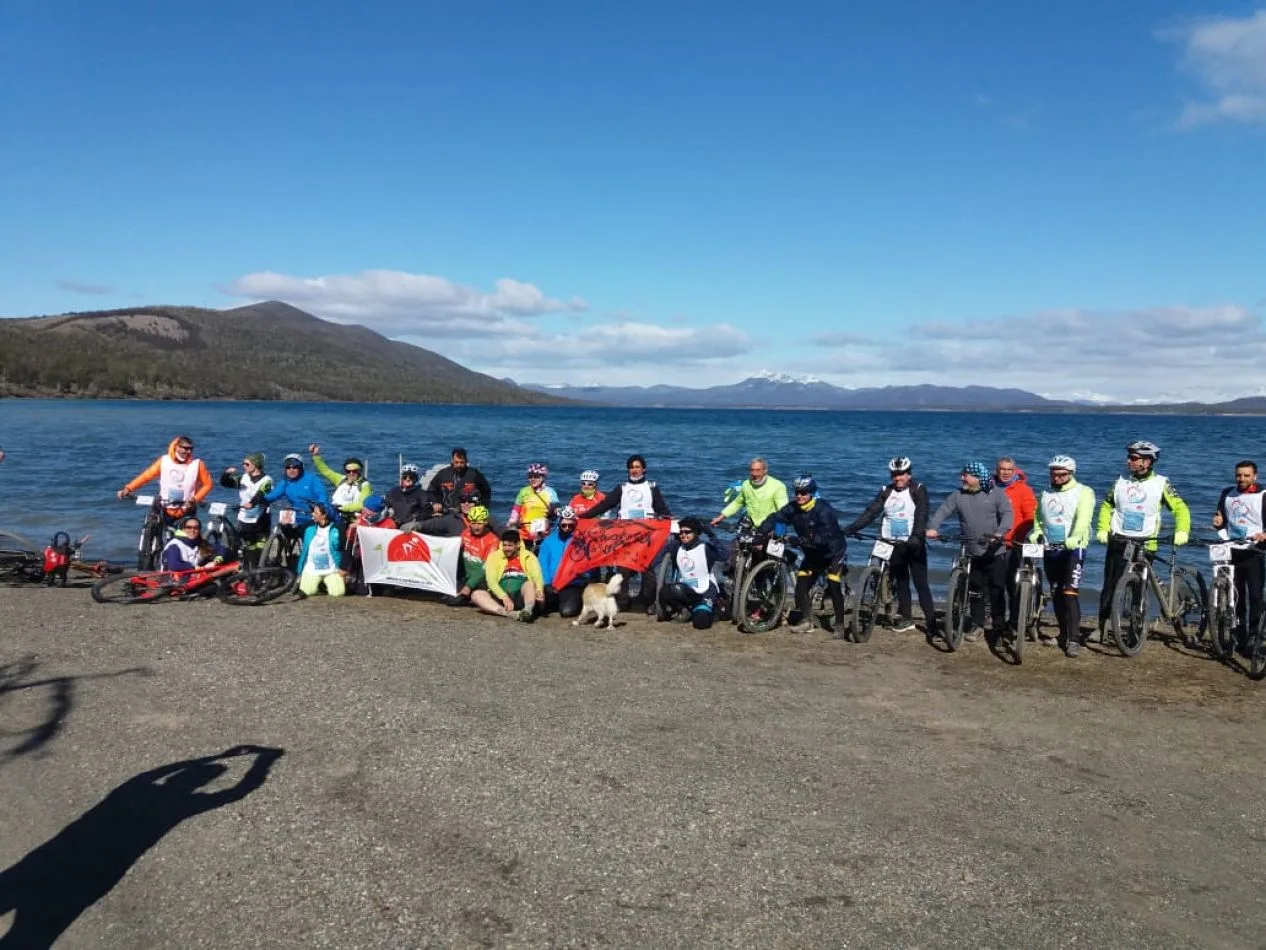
(202, 487)
(1023, 506)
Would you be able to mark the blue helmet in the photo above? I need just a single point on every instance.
(805, 484)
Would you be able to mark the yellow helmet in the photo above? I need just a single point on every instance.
(478, 514)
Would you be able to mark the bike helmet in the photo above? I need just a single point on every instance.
(567, 513)
(1063, 461)
(537, 468)
(589, 475)
(899, 464)
(294, 458)
(478, 515)
(805, 483)
(1148, 450)
(408, 468)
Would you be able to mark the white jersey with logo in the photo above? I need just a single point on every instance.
(320, 559)
(1243, 514)
(176, 480)
(692, 565)
(1059, 509)
(1136, 508)
(345, 494)
(898, 520)
(248, 488)
(636, 500)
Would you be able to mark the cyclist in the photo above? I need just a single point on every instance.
(1239, 515)
(188, 550)
(984, 516)
(638, 497)
(478, 541)
(588, 496)
(553, 546)
(825, 548)
(758, 497)
(301, 489)
(534, 506)
(1012, 480)
(696, 589)
(513, 583)
(253, 524)
(903, 505)
(350, 491)
(321, 560)
(1132, 511)
(457, 481)
(183, 480)
(1063, 519)
(407, 502)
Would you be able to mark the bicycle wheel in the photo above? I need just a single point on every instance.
(957, 611)
(1023, 617)
(145, 588)
(273, 552)
(1189, 602)
(150, 548)
(1257, 652)
(1222, 619)
(253, 587)
(866, 608)
(736, 585)
(665, 574)
(760, 604)
(11, 543)
(1129, 614)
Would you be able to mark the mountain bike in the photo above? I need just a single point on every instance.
(285, 541)
(220, 529)
(1030, 599)
(874, 590)
(959, 596)
(21, 562)
(230, 581)
(1180, 598)
(155, 532)
(762, 600)
(1220, 616)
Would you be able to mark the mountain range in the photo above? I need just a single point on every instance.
(268, 350)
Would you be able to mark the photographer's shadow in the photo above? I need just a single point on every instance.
(48, 889)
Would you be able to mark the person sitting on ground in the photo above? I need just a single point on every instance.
(513, 583)
(567, 601)
(320, 561)
(825, 548)
(458, 481)
(534, 506)
(478, 541)
(696, 588)
(408, 502)
(350, 489)
(588, 496)
(188, 550)
(253, 523)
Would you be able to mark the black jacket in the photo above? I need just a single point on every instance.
(447, 487)
(922, 507)
(819, 527)
(408, 506)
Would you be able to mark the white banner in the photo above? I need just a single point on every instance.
(408, 559)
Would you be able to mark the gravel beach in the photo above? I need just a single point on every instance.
(450, 780)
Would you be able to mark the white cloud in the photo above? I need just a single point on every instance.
(1227, 55)
(1160, 354)
(396, 302)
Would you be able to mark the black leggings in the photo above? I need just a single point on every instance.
(566, 601)
(988, 578)
(1248, 591)
(910, 562)
(1063, 574)
(816, 563)
(701, 606)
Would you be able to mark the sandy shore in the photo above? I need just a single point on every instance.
(456, 781)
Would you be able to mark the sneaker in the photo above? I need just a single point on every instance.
(1095, 636)
(803, 627)
(903, 625)
(525, 616)
(972, 635)
(1047, 641)
(1072, 650)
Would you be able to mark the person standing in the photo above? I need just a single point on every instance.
(253, 521)
(1062, 522)
(1015, 483)
(638, 497)
(758, 497)
(1239, 516)
(984, 516)
(825, 548)
(904, 507)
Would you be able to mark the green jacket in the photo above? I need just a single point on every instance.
(1169, 499)
(760, 502)
(1083, 517)
(336, 479)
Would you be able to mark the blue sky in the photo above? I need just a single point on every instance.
(665, 192)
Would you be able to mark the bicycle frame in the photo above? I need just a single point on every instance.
(1139, 561)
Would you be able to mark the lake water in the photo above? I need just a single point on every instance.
(67, 458)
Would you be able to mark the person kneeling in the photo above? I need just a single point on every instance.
(513, 586)
(320, 561)
(696, 588)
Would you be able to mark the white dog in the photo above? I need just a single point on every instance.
(599, 602)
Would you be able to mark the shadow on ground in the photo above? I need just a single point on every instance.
(43, 893)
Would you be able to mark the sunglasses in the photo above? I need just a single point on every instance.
(293, 465)
(686, 532)
(1134, 458)
(589, 484)
(184, 448)
(351, 471)
(803, 494)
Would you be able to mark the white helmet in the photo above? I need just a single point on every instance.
(900, 464)
(589, 475)
(1063, 461)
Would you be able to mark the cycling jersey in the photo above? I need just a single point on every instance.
(1064, 515)
(1133, 508)
(759, 501)
(580, 502)
(532, 510)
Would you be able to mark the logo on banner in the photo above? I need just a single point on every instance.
(408, 547)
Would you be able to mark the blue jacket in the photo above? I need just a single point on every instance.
(817, 528)
(336, 545)
(302, 493)
(550, 554)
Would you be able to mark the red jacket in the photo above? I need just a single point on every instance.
(1023, 507)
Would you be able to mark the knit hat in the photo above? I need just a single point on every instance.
(255, 458)
(373, 503)
(976, 468)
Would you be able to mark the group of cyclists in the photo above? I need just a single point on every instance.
(508, 569)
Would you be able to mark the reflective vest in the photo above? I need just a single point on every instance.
(1243, 514)
(248, 488)
(176, 481)
(898, 518)
(1136, 508)
(636, 500)
(692, 566)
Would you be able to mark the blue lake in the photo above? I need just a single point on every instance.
(67, 458)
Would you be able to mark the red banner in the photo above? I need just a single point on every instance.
(632, 544)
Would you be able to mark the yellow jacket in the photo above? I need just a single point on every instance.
(495, 567)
